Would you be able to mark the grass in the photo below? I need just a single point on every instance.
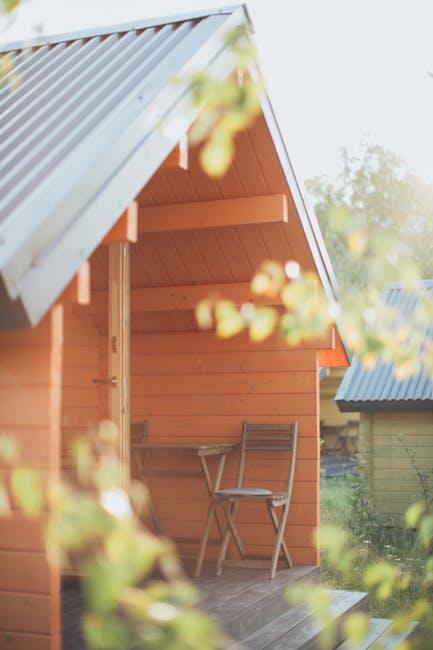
(344, 506)
(335, 497)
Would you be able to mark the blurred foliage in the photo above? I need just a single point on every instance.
(393, 564)
(380, 200)
(7, 75)
(136, 594)
(370, 328)
(229, 105)
(7, 6)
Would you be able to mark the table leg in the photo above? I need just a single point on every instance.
(214, 485)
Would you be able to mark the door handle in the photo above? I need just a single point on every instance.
(111, 381)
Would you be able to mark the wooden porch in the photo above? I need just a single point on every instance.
(254, 614)
(243, 601)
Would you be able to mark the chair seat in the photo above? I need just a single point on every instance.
(243, 492)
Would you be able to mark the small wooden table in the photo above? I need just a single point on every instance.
(203, 451)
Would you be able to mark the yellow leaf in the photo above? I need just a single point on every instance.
(263, 323)
(203, 314)
(229, 321)
(357, 242)
(229, 326)
(406, 368)
(368, 360)
(260, 284)
(216, 156)
(356, 627)
(353, 338)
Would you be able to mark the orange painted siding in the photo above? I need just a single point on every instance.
(80, 400)
(30, 402)
(191, 386)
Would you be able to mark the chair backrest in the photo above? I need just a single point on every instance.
(268, 437)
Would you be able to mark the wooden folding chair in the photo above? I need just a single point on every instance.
(139, 435)
(255, 438)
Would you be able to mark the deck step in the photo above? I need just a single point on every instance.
(273, 630)
(298, 629)
(378, 633)
(377, 627)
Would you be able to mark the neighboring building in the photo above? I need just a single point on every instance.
(394, 414)
(338, 431)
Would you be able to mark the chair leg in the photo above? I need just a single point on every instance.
(233, 529)
(223, 552)
(204, 539)
(230, 530)
(278, 541)
(283, 543)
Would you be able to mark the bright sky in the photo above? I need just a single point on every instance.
(336, 69)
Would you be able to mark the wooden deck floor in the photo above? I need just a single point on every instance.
(242, 600)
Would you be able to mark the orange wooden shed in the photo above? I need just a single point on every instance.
(84, 159)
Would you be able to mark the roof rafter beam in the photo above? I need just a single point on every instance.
(150, 299)
(214, 214)
(78, 290)
(126, 227)
(178, 157)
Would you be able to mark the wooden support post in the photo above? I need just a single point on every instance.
(119, 348)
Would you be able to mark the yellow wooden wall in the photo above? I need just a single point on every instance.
(392, 478)
(330, 414)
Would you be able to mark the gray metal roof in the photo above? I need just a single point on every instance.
(378, 388)
(82, 133)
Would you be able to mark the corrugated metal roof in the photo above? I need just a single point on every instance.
(80, 135)
(379, 388)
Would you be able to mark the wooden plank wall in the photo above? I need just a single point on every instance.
(190, 385)
(80, 400)
(393, 478)
(30, 398)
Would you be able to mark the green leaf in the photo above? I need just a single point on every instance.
(9, 449)
(426, 531)
(102, 586)
(383, 577)
(106, 632)
(27, 488)
(134, 553)
(413, 514)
